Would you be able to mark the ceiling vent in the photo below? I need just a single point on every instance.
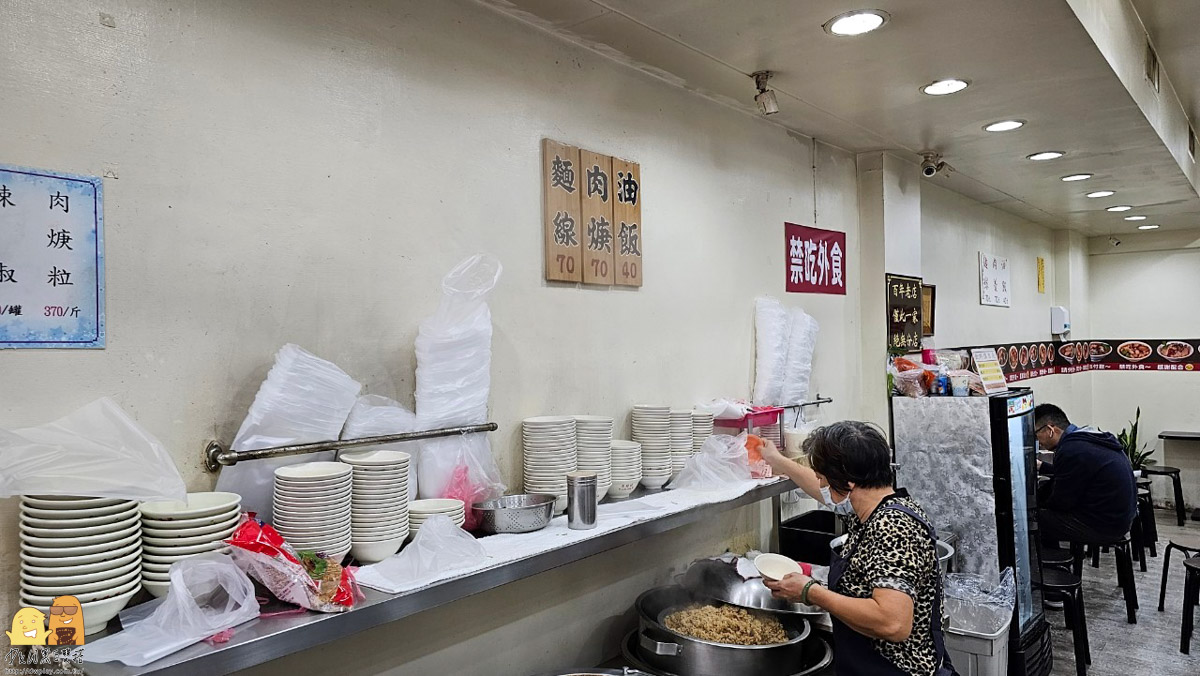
(1152, 68)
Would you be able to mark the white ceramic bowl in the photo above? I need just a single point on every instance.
(184, 532)
(372, 552)
(186, 541)
(156, 577)
(434, 505)
(85, 592)
(655, 482)
(198, 522)
(313, 472)
(96, 614)
(286, 516)
(157, 589)
(775, 566)
(54, 552)
(374, 458)
(70, 502)
(153, 550)
(302, 495)
(67, 519)
(198, 505)
(81, 565)
(50, 577)
(172, 558)
(79, 536)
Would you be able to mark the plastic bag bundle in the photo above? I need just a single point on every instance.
(307, 580)
(439, 547)
(721, 461)
(724, 409)
(374, 416)
(304, 399)
(976, 604)
(802, 340)
(454, 358)
(209, 594)
(771, 328)
(97, 451)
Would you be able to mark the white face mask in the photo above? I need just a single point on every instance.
(843, 508)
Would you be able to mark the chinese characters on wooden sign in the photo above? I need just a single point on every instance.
(995, 280)
(904, 313)
(593, 217)
(51, 259)
(816, 260)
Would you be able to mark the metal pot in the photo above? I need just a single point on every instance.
(664, 649)
(720, 581)
(818, 657)
(626, 671)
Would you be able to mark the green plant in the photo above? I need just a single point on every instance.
(1139, 457)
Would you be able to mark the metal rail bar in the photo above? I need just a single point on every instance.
(217, 456)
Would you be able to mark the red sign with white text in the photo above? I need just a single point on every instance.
(815, 260)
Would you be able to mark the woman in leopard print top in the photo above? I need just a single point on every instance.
(885, 586)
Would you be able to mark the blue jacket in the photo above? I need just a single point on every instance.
(1093, 481)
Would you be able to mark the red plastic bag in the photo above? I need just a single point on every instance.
(304, 578)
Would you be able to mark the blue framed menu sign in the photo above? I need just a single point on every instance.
(51, 259)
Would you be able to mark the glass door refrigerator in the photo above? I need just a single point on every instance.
(971, 463)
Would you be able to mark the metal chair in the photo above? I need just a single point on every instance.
(1189, 547)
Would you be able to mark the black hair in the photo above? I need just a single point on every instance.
(1049, 414)
(850, 452)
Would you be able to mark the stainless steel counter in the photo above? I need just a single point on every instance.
(263, 640)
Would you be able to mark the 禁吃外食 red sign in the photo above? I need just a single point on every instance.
(816, 260)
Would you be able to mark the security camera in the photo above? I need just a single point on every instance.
(1114, 241)
(768, 104)
(932, 165)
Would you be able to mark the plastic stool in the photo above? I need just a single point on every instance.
(1187, 549)
(1173, 472)
(1125, 578)
(1060, 583)
(1191, 595)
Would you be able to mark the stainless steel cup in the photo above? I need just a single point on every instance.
(581, 500)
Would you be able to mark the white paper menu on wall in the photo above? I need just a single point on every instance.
(987, 363)
(995, 280)
(51, 259)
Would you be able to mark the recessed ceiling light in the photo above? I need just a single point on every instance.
(1147, 227)
(1102, 193)
(1005, 125)
(944, 87)
(856, 22)
(1045, 155)
(1076, 177)
(1135, 218)
(1122, 207)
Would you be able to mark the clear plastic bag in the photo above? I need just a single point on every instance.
(798, 365)
(261, 551)
(771, 330)
(96, 451)
(374, 416)
(209, 594)
(721, 461)
(978, 605)
(304, 399)
(454, 359)
(440, 547)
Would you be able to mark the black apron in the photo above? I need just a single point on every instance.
(854, 654)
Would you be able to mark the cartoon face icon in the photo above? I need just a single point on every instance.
(66, 622)
(28, 627)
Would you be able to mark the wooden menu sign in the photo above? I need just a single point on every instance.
(627, 219)
(596, 218)
(561, 188)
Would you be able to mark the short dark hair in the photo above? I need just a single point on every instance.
(1049, 414)
(850, 452)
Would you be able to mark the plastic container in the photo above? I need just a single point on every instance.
(978, 654)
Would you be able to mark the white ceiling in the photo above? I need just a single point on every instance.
(1174, 28)
(1028, 59)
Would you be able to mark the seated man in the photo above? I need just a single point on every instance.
(1092, 496)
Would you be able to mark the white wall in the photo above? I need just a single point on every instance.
(1150, 294)
(289, 173)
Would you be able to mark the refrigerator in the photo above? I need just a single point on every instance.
(971, 462)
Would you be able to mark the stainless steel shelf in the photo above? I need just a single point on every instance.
(266, 639)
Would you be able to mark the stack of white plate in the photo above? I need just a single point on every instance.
(312, 506)
(702, 429)
(652, 429)
(89, 548)
(549, 455)
(420, 510)
(681, 438)
(379, 503)
(770, 432)
(593, 434)
(626, 468)
(174, 530)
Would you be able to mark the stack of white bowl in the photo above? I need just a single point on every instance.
(702, 429)
(593, 435)
(89, 548)
(770, 432)
(550, 453)
(652, 429)
(312, 506)
(173, 530)
(379, 503)
(681, 438)
(626, 468)
(420, 510)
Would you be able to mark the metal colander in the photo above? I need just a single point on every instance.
(515, 513)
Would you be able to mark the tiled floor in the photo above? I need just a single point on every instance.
(1120, 649)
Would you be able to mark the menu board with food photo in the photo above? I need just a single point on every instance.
(1022, 361)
